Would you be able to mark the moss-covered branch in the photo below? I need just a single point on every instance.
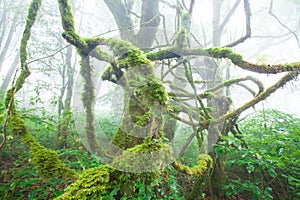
(88, 100)
(204, 163)
(263, 95)
(31, 18)
(45, 161)
(217, 52)
(237, 81)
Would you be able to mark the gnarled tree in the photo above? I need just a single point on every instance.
(188, 85)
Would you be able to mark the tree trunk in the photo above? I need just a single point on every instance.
(10, 74)
(64, 109)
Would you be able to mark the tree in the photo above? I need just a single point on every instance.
(10, 21)
(139, 150)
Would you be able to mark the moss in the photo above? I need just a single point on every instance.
(133, 58)
(124, 141)
(46, 161)
(150, 156)
(162, 54)
(181, 38)
(9, 101)
(17, 126)
(31, 18)
(107, 74)
(219, 52)
(68, 25)
(67, 15)
(185, 20)
(142, 120)
(141, 164)
(92, 183)
(119, 47)
(204, 163)
(154, 91)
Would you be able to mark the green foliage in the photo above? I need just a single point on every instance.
(19, 180)
(269, 167)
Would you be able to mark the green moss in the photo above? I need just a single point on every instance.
(119, 47)
(204, 163)
(67, 15)
(9, 101)
(219, 52)
(124, 141)
(142, 120)
(141, 164)
(31, 18)
(150, 156)
(185, 20)
(46, 161)
(154, 91)
(181, 38)
(163, 54)
(17, 126)
(107, 74)
(92, 183)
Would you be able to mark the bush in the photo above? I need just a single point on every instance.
(269, 167)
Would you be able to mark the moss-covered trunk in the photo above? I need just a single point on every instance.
(145, 99)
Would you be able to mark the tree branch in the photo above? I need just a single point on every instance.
(122, 18)
(229, 15)
(288, 77)
(248, 26)
(150, 20)
(235, 58)
(283, 25)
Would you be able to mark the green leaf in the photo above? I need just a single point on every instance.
(272, 173)
(250, 168)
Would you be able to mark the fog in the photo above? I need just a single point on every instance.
(274, 39)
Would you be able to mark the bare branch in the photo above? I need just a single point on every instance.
(150, 20)
(122, 17)
(282, 24)
(248, 26)
(229, 15)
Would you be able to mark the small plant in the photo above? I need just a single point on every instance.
(269, 167)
